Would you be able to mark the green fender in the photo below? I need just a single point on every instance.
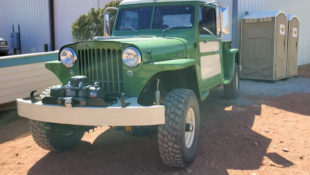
(61, 71)
(230, 57)
(148, 70)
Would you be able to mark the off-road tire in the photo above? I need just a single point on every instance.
(53, 139)
(231, 90)
(171, 136)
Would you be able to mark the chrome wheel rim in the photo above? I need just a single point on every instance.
(189, 136)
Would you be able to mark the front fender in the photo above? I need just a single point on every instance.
(61, 71)
(148, 70)
(230, 57)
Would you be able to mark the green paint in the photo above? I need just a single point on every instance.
(171, 50)
(61, 71)
(229, 62)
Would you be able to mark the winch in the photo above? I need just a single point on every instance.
(78, 92)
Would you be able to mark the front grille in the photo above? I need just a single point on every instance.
(102, 65)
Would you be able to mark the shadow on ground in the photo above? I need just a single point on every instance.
(226, 142)
(12, 126)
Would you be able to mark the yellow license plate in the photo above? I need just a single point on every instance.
(128, 128)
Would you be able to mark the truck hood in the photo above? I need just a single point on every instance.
(152, 48)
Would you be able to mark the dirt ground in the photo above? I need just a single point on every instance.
(234, 140)
(304, 71)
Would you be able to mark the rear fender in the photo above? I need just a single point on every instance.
(230, 57)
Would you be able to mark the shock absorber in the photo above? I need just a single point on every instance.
(157, 96)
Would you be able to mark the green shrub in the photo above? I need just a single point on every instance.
(90, 25)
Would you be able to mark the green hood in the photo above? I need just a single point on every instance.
(161, 48)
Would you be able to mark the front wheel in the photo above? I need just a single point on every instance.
(54, 139)
(178, 137)
(231, 90)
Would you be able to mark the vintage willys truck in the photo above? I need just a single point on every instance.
(148, 77)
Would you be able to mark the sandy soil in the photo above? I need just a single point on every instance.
(234, 140)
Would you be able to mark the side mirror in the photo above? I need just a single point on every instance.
(106, 21)
(225, 19)
(106, 24)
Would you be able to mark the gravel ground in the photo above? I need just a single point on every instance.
(250, 88)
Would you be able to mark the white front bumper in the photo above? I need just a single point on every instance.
(115, 115)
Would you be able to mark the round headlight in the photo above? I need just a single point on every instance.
(131, 57)
(67, 57)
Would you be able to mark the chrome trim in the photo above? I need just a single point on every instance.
(68, 102)
(138, 53)
(106, 21)
(73, 53)
(80, 84)
(93, 94)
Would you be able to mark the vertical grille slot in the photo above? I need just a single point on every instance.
(102, 65)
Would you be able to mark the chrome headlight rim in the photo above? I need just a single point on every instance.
(73, 59)
(138, 55)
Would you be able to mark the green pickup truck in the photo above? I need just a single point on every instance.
(148, 77)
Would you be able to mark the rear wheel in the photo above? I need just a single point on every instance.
(58, 140)
(231, 90)
(178, 137)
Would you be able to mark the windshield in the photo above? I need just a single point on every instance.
(136, 18)
(164, 17)
(173, 16)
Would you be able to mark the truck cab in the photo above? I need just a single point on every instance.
(147, 77)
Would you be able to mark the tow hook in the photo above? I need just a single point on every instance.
(32, 98)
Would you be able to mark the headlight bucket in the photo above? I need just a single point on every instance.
(131, 57)
(67, 57)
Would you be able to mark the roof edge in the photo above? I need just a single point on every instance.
(264, 14)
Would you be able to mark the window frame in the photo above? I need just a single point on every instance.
(216, 22)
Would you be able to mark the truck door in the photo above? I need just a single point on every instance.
(209, 48)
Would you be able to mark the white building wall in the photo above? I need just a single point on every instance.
(33, 18)
(67, 12)
(298, 7)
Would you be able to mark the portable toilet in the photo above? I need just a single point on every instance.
(263, 45)
(292, 45)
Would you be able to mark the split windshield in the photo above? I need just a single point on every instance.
(176, 17)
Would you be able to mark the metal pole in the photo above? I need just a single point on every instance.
(19, 43)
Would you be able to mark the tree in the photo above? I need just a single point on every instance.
(90, 25)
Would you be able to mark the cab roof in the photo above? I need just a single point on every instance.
(127, 2)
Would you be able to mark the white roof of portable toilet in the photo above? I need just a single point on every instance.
(264, 14)
(291, 17)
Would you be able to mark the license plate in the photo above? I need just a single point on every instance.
(2, 43)
(128, 128)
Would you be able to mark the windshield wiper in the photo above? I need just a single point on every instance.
(131, 29)
(175, 27)
(206, 29)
